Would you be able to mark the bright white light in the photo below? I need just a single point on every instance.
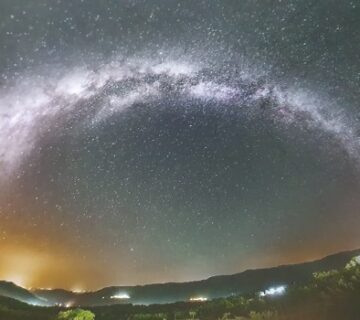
(120, 296)
(273, 291)
(198, 299)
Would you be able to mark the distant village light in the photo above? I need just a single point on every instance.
(273, 291)
(198, 299)
(121, 296)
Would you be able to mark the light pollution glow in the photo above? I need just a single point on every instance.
(31, 268)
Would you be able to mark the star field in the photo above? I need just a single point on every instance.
(145, 143)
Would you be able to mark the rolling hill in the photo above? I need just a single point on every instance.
(214, 287)
(11, 290)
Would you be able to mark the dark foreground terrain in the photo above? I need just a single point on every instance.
(329, 295)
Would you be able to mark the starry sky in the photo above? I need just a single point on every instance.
(154, 141)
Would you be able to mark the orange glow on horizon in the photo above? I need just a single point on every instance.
(31, 268)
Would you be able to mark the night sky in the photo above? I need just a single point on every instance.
(153, 141)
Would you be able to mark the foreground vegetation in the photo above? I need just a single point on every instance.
(332, 295)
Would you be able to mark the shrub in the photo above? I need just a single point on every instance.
(77, 314)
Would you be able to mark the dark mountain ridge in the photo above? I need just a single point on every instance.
(213, 287)
(11, 290)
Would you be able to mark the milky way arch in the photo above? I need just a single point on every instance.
(46, 105)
